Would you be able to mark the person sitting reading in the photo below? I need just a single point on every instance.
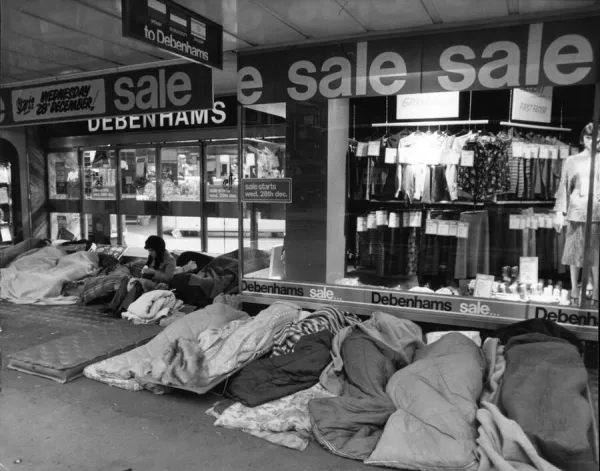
(156, 274)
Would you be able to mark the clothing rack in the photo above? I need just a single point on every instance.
(430, 123)
(533, 126)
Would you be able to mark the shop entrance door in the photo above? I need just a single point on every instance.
(100, 189)
(180, 198)
(138, 191)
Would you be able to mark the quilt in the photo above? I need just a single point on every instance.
(38, 277)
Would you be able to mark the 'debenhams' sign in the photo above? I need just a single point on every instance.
(460, 307)
(541, 54)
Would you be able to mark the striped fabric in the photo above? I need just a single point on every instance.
(324, 319)
(103, 285)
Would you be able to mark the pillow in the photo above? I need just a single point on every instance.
(201, 259)
(115, 250)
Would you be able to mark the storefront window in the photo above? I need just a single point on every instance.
(65, 226)
(487, 208)
(138, 174)
(181, 173)
(63, 176)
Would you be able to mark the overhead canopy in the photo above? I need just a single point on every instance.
(45, 39)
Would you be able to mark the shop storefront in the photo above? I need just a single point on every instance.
(450, 177)
(119, 180)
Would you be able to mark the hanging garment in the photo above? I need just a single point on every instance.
(473, 253)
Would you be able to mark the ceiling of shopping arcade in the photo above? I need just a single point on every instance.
(45, 39)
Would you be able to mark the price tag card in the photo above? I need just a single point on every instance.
(526, 151)
(415, 219)
(544, 152)
(517, 149)
(564, 152)
(403, 155)
(514, 222)
(406, 219)
(394, 220)
(374, 148)
(549, 221)
(523, 222)
(381, 218)
(443, 228)
(371, 221)
(483, 286)
(361, 149)
(534, 152)
(452, 228)
(467, 158)
(553, 153)
(463, 230)
(528, 270)
(534, 222)
(361, 224)
(391, 155)
(431, 226)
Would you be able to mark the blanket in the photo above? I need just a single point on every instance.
(218, 353)
(38, 278)
(493, 352)
(285, 421)
(369, 354)
(268, 379)
(327, 318)
(151, 307)
(503, 446)
(103, 284)
(200, 289)
(401, 335)
(543, 390)
(122, 370)
(435, 397)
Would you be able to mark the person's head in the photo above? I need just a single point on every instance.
(585, 137)
(156, 247)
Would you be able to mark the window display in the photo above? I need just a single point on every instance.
(487, 210)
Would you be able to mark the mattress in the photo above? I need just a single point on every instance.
(64, 358)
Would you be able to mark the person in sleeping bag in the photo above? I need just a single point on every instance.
(157, 273)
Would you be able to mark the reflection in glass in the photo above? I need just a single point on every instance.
(100, 174)
(63, 176)
(101, 228)
(180, 173)
(65, 226)
(138, 174)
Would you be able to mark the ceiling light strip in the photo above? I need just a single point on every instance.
(432, 11)
(276, 15)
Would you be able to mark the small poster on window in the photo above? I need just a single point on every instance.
(61, 178)
(4, 196)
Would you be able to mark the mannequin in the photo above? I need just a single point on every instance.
(571, 210)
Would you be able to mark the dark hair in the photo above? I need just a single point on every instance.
(586, 131)
(157, 244)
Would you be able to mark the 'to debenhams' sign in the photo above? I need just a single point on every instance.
(541, 54)
(157, 90)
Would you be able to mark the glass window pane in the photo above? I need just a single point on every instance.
(63, 175)
(100, 174)
(101, 228)
(138, 174)
(65, 226)
(138, 228)
(181, 173)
